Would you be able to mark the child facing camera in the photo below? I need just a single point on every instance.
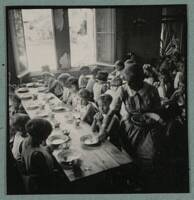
(83, 80)
(88, 109)
(112, 130)
(101, 85)
(119, 66)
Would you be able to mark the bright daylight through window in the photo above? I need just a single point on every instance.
(82, 39)
(39, 38)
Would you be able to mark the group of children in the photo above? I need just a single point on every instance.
(92, 96)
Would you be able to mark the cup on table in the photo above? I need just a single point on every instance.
(77, 123)
(34, 96)
(42, 106)
(52, 116)
(57, 124)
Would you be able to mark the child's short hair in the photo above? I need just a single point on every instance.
(95, 71)
(48, 74)
(84, 94)
(85, 69)
(119, 65)
(63, 77)
(105, 99)
(19, 121)
(102, 76)
(39, 128)
(72, 81)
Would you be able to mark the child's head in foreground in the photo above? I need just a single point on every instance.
(39, 130)
(19, 121)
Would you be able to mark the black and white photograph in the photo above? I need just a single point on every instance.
(97, 99)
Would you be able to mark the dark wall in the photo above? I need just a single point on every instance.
(138, 30)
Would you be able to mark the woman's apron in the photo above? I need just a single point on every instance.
(138, 140)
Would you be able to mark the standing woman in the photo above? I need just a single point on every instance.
(137, 96)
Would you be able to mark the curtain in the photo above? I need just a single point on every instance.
(18, 42)
(62, 40)
(171, 38)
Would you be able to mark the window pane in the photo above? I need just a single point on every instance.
(38, 30)
(105, 35)
(82, 42)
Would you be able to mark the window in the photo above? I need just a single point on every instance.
(62, 38)
(105, 35)
(82, 39)
(39, 38)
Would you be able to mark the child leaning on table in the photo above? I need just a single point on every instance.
(112, 131)
(18, 123)
(73, 99)
(63, 80)
(55, 87)
(88, 108)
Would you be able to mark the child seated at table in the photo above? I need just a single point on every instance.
(16, 106)
(37, 160)
(101, 85)
(88, 109)
(92, 80)
(46, 76)
(83, 80)
(112, 131)
(63, 80)
(115, 83)
(119, 66)
(18, 123)
(55, 87)
(73, 99)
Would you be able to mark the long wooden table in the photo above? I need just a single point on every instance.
(93, 159)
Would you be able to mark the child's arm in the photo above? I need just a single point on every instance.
(89, 114)
(95, 125)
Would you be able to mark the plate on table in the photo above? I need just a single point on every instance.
(42, 114)
(89, 140)
(41, 89)
(138, 120)
(30, 85)
(69, 157)
(33, 107)
(26, 96)
(58, 109)
(57, 139)
(23, 90)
